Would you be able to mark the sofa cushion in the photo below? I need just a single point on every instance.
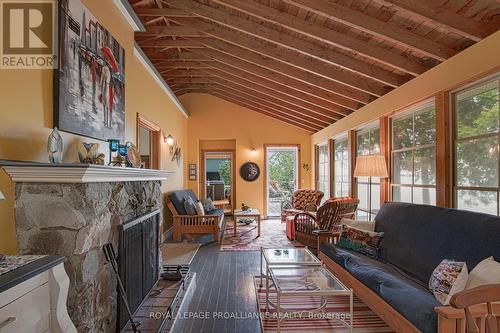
(365, 242)
(409, 298)
(218, 212)
(449, 278)
(189, 206)
(417, 237)
(177, 199)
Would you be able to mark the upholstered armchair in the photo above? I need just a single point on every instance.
(312, 229)
(302, 201)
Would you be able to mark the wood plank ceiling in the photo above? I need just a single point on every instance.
(306, 62)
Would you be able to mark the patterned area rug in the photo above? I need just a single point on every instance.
(272, 235)
(365, 320)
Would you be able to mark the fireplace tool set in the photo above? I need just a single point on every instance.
(110, 255)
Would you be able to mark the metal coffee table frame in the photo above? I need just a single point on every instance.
(322, 293)
(264, 258)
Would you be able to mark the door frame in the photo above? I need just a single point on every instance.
(203, 176)
(299, 168)
(156, 137)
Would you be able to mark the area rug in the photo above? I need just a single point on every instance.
(365, 320)
(272, 235)
(178, 253)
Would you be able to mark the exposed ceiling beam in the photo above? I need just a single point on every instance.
(332, 113)
(270, 111)
(181, 64)
(218, 77)
(440, 16)
(249, 105)
(285, 107)
(323, 34)
(170, 43)
(174, 30)
(272, 85)
(371, 25)
(154, 12)
(236, 44)
(320, 56)
(290, 75)
(255, 63)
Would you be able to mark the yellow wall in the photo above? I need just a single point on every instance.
(212, 118)
(26, 115)
(480, 58)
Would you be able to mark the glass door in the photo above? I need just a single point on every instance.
(282, 168)
(218, 178)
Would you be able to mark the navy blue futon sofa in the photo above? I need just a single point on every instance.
(210, 223)
(416, 239)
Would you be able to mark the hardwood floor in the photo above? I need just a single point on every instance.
(224, 287)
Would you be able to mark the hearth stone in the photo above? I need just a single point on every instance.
(76, 220)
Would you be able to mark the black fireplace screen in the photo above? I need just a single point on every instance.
(138, 261)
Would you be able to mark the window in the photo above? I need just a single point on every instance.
(323, 177)
(368, 193)
(413, 156)
(476, 139)
(341, 167)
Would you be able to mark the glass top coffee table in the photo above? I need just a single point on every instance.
(307, 282)
(293, 257)
(252, 212)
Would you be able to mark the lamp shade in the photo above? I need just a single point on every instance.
(2, 197)
(371, 166)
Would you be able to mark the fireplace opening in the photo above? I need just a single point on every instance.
(138, 262)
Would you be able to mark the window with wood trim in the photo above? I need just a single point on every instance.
(476, 140)
(368, 192)
(413, 155)
(341, 172)
(323, 169)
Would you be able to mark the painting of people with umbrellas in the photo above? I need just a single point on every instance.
(90, 80)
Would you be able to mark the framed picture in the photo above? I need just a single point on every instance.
(192, 171)
(89, 85)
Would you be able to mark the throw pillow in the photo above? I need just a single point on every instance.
(365, 242)
(208, 205)
(199, 208)
(189, 206)
(363, 225)
(449, 278)
(486, 272)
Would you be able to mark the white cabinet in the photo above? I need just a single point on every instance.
(35, 301)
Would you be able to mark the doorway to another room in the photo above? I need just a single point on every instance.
(282, 176)
(218, 172)
(148, 142)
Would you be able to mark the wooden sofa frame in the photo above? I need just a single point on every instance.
(194, 224)
(450, 320)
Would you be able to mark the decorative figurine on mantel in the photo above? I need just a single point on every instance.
(88, 153)
(55, 146)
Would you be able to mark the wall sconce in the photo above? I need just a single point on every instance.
(2, 197)
(169, 140)
(253, 151)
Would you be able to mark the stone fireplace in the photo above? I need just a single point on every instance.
(73, 210)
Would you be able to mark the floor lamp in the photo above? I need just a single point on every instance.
(370, 166)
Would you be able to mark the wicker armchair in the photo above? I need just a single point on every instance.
(302, 201)
(311, 229)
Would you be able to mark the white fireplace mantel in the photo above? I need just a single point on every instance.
(33, 172)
